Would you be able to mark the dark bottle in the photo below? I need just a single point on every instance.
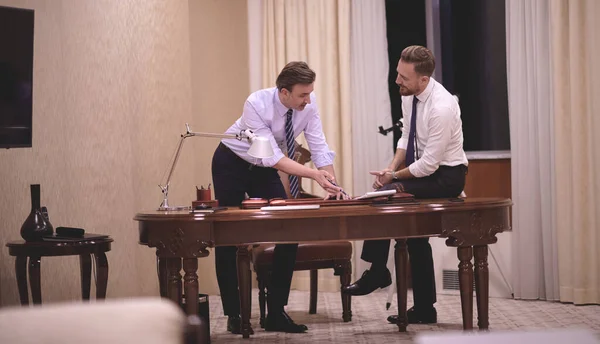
(36, 226)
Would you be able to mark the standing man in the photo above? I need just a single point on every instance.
(429, 163)
(280, 114)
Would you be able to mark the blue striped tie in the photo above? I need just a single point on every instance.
(291, 148)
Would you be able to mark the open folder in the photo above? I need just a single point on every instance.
(374, 194)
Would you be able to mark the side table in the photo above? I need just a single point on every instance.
(84, 248)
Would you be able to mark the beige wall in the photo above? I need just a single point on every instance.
(220, 80)
(112, 91)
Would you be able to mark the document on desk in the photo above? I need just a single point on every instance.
(291, 207)
(374, 194)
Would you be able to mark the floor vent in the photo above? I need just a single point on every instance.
(450, 280)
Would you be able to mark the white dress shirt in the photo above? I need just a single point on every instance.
(265, 115)
(439, 137)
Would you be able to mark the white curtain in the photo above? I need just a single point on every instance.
(575, 42)
(535, 259)
(317, 32)
(370, 101)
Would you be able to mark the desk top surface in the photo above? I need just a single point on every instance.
(419, 206)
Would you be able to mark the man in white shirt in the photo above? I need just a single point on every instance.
(429, 163)
(280, 114)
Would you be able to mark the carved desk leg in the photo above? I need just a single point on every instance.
(35, 280)
(190, 266)
(244, 282)
(21, 271)
(174, 279)
(482, 280)
(465, 280)
(85, 265)
(162, 275)
(401, 256)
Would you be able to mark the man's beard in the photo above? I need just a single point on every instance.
(404, 91)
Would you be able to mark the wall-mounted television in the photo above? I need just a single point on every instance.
(16, 77)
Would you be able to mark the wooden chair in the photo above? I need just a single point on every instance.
(310, 256)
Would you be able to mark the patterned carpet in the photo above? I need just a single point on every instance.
(369, 323)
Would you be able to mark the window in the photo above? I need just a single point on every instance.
(468, 40)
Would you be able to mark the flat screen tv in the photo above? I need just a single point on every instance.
(16, 76)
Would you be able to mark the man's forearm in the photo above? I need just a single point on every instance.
(399, 159)
(329, 169)
(404, 174)
(291, 167)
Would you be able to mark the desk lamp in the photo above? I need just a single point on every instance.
(260, 147)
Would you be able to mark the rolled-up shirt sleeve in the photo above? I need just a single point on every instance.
(251, 120)
(439, 129)
(320, 153)
(403, 141)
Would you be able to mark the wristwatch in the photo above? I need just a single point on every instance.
(394, 175)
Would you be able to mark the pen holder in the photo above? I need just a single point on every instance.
(203, 195)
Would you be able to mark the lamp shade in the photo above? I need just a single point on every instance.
(260, 147)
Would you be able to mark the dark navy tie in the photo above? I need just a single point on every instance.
(410, 149)
(291, 149)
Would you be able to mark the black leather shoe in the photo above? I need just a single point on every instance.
(281, 322)
(369, 282)
(234, 325)
(417, 317)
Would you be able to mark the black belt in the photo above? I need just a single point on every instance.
(228, 151)
(462, 167)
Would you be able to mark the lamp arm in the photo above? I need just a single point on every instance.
(221, 136)
(183, 137)
(244, 134)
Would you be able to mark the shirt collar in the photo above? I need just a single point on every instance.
(280, 108)
(427, 92)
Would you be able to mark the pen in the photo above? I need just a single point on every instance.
(334, 184)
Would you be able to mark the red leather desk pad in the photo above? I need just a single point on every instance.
(255, 203)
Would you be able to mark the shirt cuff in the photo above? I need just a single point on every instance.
(402, 143)
(272, 161)
(323, 159)
(418, 171)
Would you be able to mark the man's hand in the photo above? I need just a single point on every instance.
(323, 178)
(382, 177)
(339, 195)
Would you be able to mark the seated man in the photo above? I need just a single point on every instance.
(432, 150)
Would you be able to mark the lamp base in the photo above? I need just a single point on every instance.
(174, 208)
(213, 203)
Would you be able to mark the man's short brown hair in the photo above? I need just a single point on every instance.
(295, 72)
(420, 57)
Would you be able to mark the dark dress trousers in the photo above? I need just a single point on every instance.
(446, 182)
(233, 178)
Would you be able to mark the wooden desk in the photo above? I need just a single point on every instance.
(470, 226)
